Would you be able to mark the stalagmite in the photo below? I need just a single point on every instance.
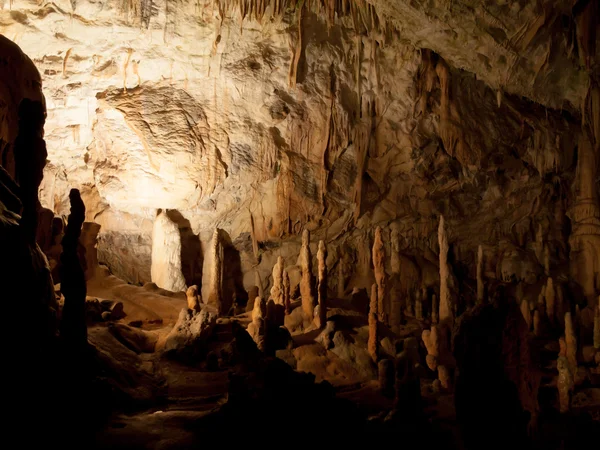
(380, 276)
(444, 377)
(373, 343)
(215, 283)
(585, 217)
(258, 327)
(73, 326)
(373, 304)
(550, 302)
(565, 383)
(526, 312)
(480, 285)
(306, 284)
(571, 343)
(166, 267)
(432, 344)
(445, 314)
(276, 290)
(322, 286)
(287, 301)
(597, 327)
(193, 298)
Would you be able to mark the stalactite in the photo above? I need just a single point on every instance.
(297, 49)
(65, 59)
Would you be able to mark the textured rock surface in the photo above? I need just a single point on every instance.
(179, 108)
(166, 254)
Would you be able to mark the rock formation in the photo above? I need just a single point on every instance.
(373, 342)
(445, 315)
(212, 285)
(597, 328)
(565, 383)
(287, 301)
(550, 296)
(307, 283)
(190, 334)
(571, 343)
(193, 298)
(526, 313)
(73, 325)
(277, 288)
(480, 282)
(380, 276)
(321, 319)
(258, 327)
(432, 344)
(166, 254)
(444, 377)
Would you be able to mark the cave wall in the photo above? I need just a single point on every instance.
(331, 119)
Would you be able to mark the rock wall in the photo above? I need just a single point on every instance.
(331, 116)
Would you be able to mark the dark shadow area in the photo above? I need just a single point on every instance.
(233, 278)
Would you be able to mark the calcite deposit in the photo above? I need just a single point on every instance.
(371, 215)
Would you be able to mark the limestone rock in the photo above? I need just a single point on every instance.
(212, 276)
(373, 344)
(480, 282)
(597, 327)
(307, 283)
(445, 314)
(257, 329)
(190, 333)
(380, 275)
(566, 383)
(166, 254)
(277, 294)
(571, 343)
(321, 317)
(193, 298)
